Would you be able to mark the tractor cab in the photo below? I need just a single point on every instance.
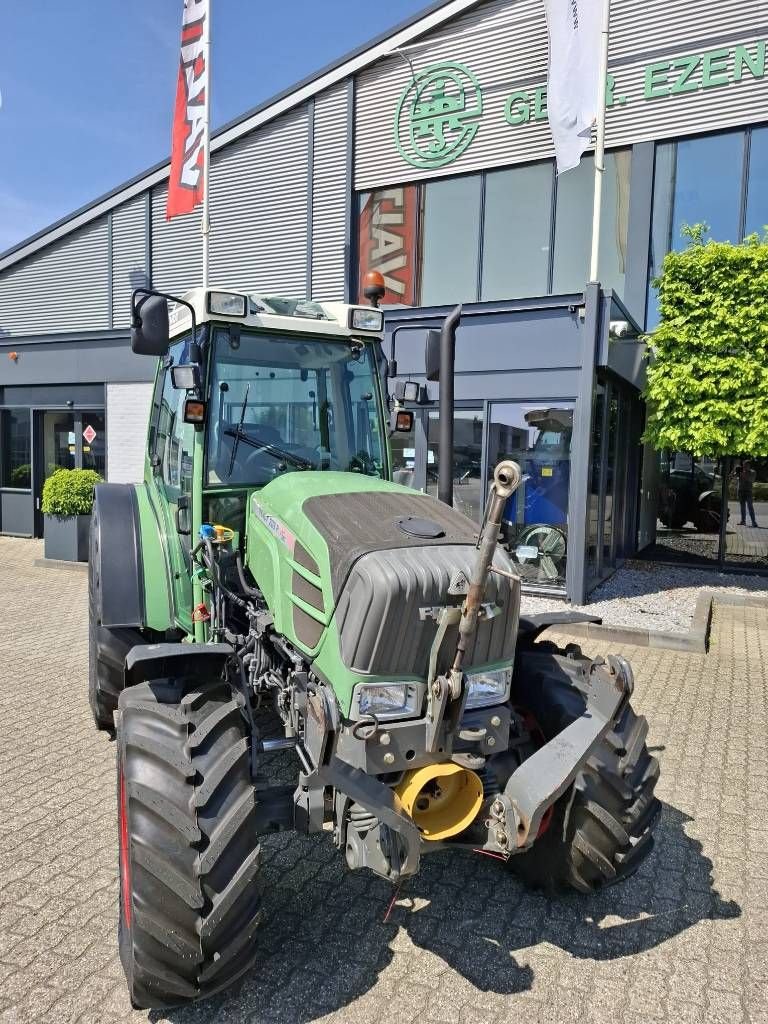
(250, 388)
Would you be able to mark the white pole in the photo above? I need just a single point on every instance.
(205, 225)
(600, 143)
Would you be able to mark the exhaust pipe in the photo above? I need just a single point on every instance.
(506, 480)
(447, 367)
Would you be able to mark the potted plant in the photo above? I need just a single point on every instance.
(67, 505)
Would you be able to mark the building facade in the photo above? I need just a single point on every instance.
(426, 155)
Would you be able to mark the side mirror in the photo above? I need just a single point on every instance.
(432, 355)
(401, 422)
(150, 333)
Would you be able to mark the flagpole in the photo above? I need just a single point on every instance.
(600, 142)
(205, 225)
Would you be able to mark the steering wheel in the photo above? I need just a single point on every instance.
(361, 462)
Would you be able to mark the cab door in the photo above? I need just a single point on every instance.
(170, 453)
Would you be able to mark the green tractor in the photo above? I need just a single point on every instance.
(268, 563)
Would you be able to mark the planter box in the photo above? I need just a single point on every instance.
(66, 538)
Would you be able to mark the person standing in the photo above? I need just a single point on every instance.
(746, 475)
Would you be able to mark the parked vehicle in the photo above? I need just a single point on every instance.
(268, 560)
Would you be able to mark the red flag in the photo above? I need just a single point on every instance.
(190, 122)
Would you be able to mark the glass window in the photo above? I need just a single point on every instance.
(573, 224)
(59, 442)
(15, 449)
(708, 186)
(535, 529)
(695, 180)
(94, 451)
(281, 403)
(595, 475)
(467, 460)
(757, 187)
(518, 206)
(402, 448)
(450, 241)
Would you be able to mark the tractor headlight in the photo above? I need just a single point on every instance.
(364, 319)
(388, 700)
(488, 687)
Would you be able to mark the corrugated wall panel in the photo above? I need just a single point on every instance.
(63, 288)
(259, 209)
(129, 256)
(503, 43)
(330, 189)
(177, 261)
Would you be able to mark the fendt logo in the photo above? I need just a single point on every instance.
(437, 115)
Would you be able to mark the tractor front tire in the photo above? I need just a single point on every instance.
(600, 830)
(189, 856)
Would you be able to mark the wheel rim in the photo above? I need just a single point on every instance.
(125, 847)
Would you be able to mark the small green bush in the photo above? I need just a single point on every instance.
(21, 475)
(69, 492)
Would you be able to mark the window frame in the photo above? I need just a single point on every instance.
(19, 409)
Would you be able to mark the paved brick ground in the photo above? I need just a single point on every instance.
(685, 940)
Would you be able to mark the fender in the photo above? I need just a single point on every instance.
(531, 626)
(153, 661)
(116, 547)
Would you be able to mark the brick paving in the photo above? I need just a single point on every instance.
(685, 940)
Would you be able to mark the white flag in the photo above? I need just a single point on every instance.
(573, 89)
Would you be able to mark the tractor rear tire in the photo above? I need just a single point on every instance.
(189, 855)
(600, 830)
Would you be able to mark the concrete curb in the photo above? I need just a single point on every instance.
(695, 641)
(55, 563)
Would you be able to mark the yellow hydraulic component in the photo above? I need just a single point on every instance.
(442, 799)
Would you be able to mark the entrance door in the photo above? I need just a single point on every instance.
(66, 439)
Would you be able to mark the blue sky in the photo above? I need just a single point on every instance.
(87, 86)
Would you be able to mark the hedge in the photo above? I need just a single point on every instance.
(69, 492)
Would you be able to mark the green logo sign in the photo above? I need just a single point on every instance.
(437, 115)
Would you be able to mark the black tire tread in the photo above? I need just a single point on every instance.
(194, 863)
(601, 828)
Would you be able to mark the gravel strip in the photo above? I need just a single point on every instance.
(648, 595)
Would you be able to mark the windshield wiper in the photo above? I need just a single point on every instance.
(239, 432)
(271, 449)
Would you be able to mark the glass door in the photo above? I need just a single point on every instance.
(66, 439)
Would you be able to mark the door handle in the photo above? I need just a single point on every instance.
(182, 505)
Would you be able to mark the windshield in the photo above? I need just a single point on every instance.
(282, 403)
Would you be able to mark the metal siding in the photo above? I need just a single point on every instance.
(63, 288)
(129, 268)
(177, 246)
(329, 194)
(504, 43)
(259, 209)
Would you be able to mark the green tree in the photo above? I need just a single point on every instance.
(707, 389)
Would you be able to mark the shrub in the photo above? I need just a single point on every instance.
(69, 492)
(707, 390)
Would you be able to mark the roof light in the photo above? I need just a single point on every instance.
(227, 304)
(362, 319)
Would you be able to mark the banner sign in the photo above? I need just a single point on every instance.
(185, 186)
(573, 83)
(387, 242)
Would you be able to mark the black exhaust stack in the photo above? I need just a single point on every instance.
(441, 367)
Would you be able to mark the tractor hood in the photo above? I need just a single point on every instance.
(351, 567)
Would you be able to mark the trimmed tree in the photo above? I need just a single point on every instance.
(707, 390)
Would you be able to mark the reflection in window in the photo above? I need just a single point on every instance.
(15, 449)
(695, 180)
(403, 452)
(467, 461)
(450, 241)
(573, 225)
(535, 526)
(757, 187)
(518, 207)
(595, 474)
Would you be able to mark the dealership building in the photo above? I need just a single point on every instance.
(426, 155)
